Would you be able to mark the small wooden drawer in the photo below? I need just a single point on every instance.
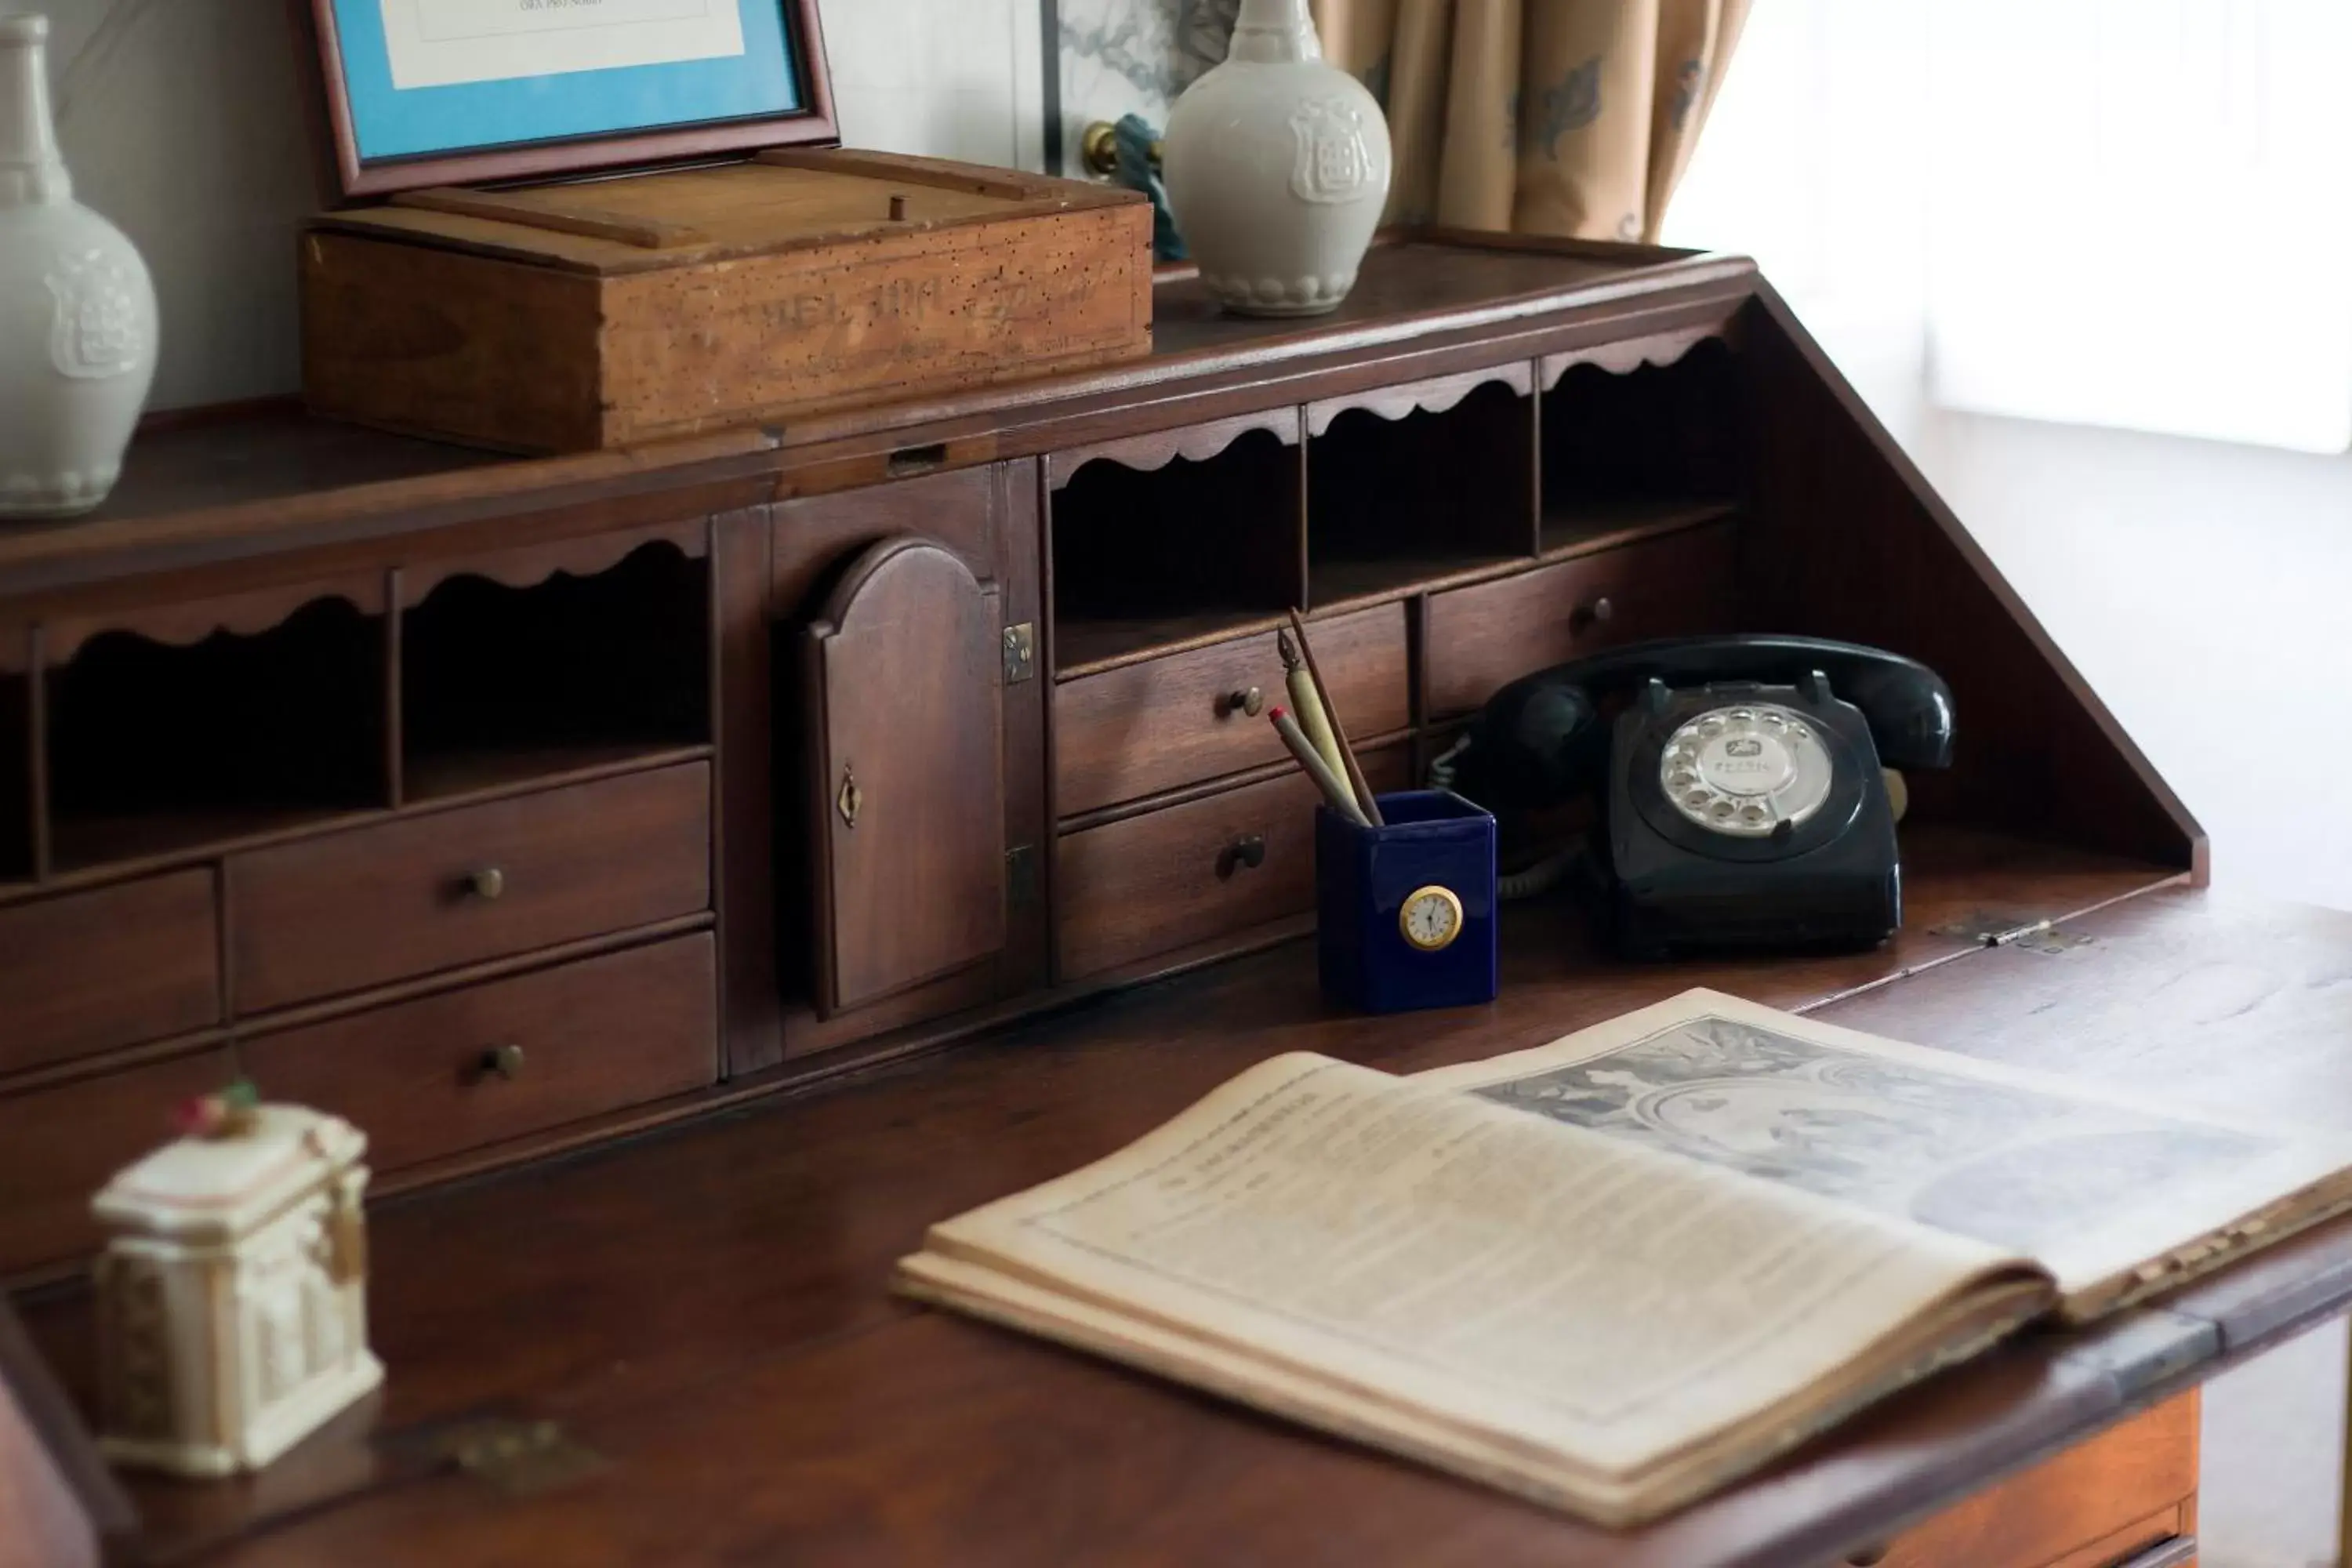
(1189, 873)
(57, 1146)
(2110, 1502)
(332, 915)
(1180, 718)
(89, 972)
(490, 1062)
(1484, 636)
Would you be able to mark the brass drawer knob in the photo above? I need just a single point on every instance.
(1600, 612)
(502, 1061)
(1246, 699)
(488, 884)
(1242, 854)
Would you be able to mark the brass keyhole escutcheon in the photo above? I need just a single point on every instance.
(502, 1061)
(851, 800)
(1246, 854)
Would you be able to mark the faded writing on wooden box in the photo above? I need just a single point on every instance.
(763, 336)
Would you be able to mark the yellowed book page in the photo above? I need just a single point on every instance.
(1238, 1373)
(2117, 1197)
(1567, 1295)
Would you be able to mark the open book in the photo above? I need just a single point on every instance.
(1615, 1272)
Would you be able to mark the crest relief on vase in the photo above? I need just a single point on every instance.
(1334, 158)
(96, 332)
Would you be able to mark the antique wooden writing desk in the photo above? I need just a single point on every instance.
(617, 839)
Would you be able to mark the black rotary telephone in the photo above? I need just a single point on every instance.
(1743, 797)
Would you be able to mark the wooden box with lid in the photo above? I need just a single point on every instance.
(687, 276)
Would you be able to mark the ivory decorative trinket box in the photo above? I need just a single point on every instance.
(233, 1292)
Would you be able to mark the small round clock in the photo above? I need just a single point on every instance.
(1431, 918)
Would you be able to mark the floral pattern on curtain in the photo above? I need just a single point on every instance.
(1564, 117)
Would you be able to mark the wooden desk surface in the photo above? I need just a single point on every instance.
(707, 1308)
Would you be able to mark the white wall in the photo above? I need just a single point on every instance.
(2203, 588)
(2206, 590)
(184, 122)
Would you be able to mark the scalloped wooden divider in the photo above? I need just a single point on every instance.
(1194, 443)
(238, 614)
(527, 567)
(1440, 395)
(1656, 352)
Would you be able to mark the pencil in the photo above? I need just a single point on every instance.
(1334, 792)
(1371, 807)
(1307, 704)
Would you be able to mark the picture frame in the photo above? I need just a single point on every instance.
(423, 92)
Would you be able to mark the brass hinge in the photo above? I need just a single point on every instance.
(1020, 653)
(1981, 928)
(1985, 928)
(521, 1458)
(1021, 874)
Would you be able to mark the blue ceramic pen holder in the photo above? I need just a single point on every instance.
(1405, 913)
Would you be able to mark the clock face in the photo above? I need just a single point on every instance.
(1431, 918)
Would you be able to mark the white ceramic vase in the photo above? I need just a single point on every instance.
(1277, 168)
(76, 309)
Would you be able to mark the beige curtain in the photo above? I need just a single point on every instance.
(1571, 117)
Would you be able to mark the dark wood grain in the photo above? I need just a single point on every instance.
(1156, 449)
(1656, 350)
(21, 764)
(1184, 874)
(1441, 394)
(59, 1146)
(89, 972)
(990, 517)
(905, 782)
(595, 1034)
(1142, 728)
(743, 821)
(787, 1219)
(2222, 1003)
(527, 567)
(1482, 636)
(180, 622)
(1845, 539)
(355, 909)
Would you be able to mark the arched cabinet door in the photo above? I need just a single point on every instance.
(907, 790)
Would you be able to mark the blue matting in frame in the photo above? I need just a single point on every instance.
(392, 122)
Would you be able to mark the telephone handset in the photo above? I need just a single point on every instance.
(1743, 802)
